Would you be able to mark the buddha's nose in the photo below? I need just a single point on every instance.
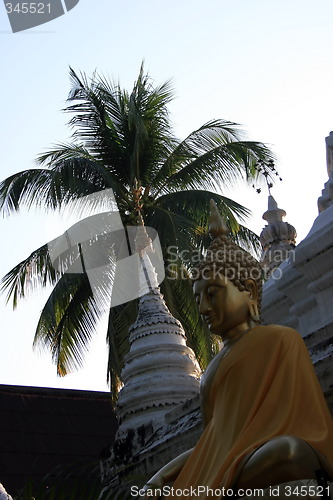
(204, 306)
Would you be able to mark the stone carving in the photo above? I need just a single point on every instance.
(326, 199)
(329, 154)
(278, 238)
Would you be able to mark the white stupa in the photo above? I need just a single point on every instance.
(160, 370)
(3, 494)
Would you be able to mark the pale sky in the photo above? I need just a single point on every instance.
(266, 64)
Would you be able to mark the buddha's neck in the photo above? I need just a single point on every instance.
(236, 333)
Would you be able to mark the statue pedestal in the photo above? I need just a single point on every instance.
(306, 489)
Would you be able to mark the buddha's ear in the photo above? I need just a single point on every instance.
(252, 287)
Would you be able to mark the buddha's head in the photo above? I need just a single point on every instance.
(228, 283)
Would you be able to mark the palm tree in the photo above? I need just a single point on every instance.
(121, 141)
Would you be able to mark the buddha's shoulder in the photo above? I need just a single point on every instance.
(277, 333)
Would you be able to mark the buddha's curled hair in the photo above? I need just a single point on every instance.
(226, 258)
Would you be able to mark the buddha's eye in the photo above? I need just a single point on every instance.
(212, 290)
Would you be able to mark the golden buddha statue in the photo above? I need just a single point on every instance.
(265, 418)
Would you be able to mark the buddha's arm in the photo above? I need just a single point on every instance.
(170, 471)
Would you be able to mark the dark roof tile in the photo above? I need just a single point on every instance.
(42, 428)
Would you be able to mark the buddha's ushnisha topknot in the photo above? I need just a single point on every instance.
(217, 225)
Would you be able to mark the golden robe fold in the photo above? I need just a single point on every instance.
(264, 387)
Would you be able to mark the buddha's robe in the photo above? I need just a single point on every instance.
(264, 387)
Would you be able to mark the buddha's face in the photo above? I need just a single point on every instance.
(223, 306)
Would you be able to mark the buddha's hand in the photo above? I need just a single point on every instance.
(155, 483)
(165, 475)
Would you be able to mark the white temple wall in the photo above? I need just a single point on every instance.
(301, 296)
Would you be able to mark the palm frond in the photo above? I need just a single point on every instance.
(120, 319)
(248, 240)
(67, 323)
(32, 273)
(124, 130)
(195, 204)
(72, 178)
(181, 218)
(223, 141)
(208, 136)
(99, 122)
(226, 164)
(148, 121)
(167, 224)
(73, 164)
(20, 188)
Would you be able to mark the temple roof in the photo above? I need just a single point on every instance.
(48, 431)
